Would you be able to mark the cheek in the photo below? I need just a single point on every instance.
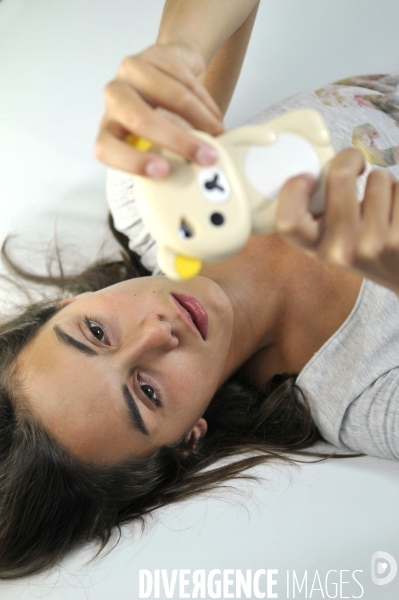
(199, 377)
(193, 393)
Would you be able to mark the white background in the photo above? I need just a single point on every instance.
(55, 58)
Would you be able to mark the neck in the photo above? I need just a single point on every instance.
(286, 305)
(256, 291)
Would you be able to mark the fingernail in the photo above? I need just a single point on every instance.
(309, 178)
(206, 155)
(156, 168)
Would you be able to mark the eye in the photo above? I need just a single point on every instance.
(150, 391)
(185, 230)
(213, 185)
(217, 218)
(97, 329)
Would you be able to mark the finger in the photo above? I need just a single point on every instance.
(378, 247)
(174, 118)
(160, 89)
(377, 205)
(342, 211)
(127, 107)
(185, 68)
(114, 152)
(174, 64)
(203, 94)
(293, 219)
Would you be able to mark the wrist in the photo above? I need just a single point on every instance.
(197, 25)
(180, 40)
(203, 25)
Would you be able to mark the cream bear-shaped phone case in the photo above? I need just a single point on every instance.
(205, 214)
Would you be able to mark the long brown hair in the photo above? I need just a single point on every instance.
(51, 503)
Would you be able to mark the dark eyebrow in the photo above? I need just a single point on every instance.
(135, 415)
(70, 341)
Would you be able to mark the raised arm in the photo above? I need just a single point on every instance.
(200, 47)
(223, 44)
(224, 69)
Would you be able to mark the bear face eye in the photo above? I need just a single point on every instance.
(217, 219)
(185, 231)
(213, 185)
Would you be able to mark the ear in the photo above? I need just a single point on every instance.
(197, 432)
(70, 299)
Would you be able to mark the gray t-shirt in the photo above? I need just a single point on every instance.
(352, 381)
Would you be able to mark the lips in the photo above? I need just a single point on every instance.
(196, 312)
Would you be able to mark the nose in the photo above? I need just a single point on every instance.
(156, 335)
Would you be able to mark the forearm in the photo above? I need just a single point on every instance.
(206, 24)
(225, 67)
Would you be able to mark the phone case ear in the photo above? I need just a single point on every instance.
(304, 121)
(176, 266)
(248, 135)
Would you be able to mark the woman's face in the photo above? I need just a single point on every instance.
(122, 371)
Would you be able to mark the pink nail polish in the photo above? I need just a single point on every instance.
(309, 177)
(206, 155)
(156, 168)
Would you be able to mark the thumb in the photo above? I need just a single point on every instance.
(293, 218)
